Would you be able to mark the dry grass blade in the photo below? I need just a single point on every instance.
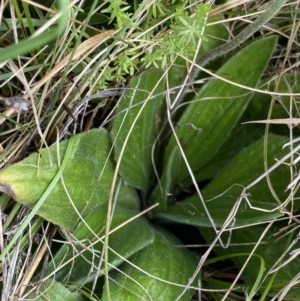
(288, 121)
(82, 48)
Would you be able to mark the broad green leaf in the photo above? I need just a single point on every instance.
(82, 256)
(87, 178)
(209, 119)
(138, 120)
(242, 136)
(126, 196)
(249, 165)
(158, 272)
(164, 187)
(191, 212)
(52, 290)
(273, 246)
(223, 192)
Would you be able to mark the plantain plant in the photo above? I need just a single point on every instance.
(166, 158)
(102, 180)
